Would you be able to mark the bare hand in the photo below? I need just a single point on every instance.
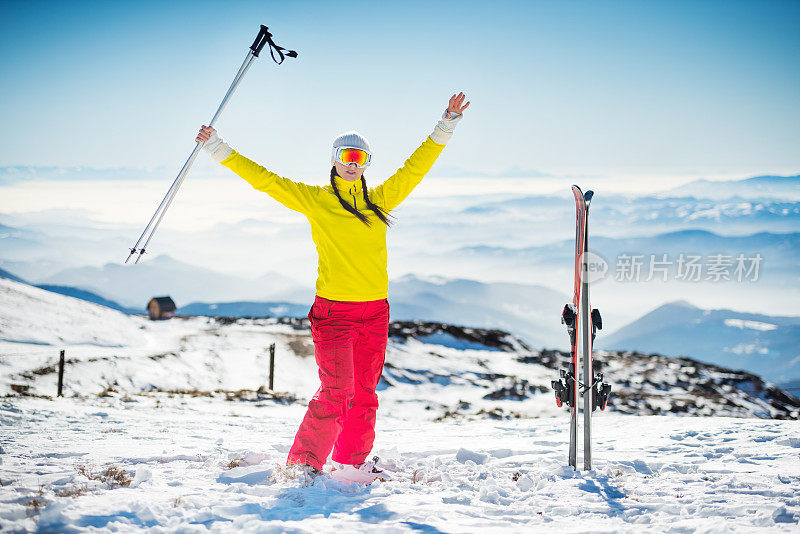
(204, 134)
(457, 104)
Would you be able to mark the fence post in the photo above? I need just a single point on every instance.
(271, 366)
(61, 374)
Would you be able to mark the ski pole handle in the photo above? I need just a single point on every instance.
(261, 39)
(265, 38)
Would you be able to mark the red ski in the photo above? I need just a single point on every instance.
(582, 326)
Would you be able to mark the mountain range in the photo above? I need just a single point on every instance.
(164, 275)
(433, 371)
(545, 265)
(532, 311)
(769, 186)
(758, 343)
(763, 344)
(508, 264)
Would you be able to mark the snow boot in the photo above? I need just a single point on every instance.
(305, 473)
(364, 473)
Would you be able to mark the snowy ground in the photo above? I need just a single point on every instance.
(658, 473)
(470, 434)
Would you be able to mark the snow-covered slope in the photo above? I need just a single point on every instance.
(30, 315)
(36, 324)
(10, 276)
(76, 292)
(433, 370)
(468, 431)
(199, 464)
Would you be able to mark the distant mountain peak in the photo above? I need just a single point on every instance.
(759, 343)
(166, 259)
(681, 304)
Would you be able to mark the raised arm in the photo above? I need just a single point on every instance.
(296, 196)
(397, 187)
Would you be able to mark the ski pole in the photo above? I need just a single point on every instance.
(176, 184)
(167, 200)
(263, 38)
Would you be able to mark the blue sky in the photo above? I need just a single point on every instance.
(657, 89)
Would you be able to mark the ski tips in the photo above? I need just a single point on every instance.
(587, 196)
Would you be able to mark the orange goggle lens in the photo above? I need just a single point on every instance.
(353, 155)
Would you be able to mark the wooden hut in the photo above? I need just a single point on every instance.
(161, 308)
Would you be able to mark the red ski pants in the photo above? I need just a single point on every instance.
(350, 347)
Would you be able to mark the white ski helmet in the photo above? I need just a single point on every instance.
(351, 139)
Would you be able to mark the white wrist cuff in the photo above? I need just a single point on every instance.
(445, 127)
(217, 148)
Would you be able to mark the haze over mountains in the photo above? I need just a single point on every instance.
(471, 257)
(786, 187)
(531, 311)
(185, 282)
(761, 344)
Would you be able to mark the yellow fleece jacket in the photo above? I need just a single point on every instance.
(352, 256)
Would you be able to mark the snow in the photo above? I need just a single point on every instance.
(747, 348)
(753, 325)
(464, 455)
(31, 315)
(201, 464)
(469, 435)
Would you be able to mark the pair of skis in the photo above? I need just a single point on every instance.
(582, 324)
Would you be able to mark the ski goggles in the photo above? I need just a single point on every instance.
(349, 154)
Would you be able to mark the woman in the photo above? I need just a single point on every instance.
(350, 315)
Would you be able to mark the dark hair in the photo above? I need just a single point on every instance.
(377, 210)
